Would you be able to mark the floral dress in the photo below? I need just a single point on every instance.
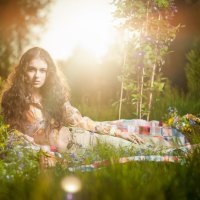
(79, 131)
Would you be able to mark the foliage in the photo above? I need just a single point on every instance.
(173, 97)
(148, 33)
(18, 20)
(16, 161)
(188, 124)
(193, 70)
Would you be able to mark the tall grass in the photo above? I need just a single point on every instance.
(135, 180)
(106, 111)
(172, 97)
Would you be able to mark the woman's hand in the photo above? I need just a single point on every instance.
(132, 137)
(29, 139)
(114, 131)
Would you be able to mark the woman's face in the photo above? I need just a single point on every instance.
(37, 72)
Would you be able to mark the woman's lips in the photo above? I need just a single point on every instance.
(36, 82)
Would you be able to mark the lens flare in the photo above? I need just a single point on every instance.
(71, 184)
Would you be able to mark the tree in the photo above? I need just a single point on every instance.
(148, 33)
(18, 18)
(193, 70)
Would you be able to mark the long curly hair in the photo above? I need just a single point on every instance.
(16, 98)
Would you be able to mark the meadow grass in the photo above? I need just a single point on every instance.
(134, 180)
(174, 98)
(171, 97)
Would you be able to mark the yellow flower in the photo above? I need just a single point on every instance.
(170, 120)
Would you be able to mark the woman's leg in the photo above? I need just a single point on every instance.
(87, 139)
(78, 138)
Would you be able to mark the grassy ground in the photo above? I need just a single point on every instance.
(135, 180)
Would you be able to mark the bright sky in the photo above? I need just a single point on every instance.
(85, 23)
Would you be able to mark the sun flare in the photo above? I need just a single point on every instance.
(86, 24)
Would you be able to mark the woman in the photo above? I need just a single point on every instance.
(37, 104)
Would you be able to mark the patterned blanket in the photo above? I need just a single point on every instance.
(144, 129)
(147, 129)
(150, 129)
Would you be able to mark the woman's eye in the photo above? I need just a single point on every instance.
(31, 70)
(43, 70)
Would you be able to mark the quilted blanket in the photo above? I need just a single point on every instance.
(151, 129)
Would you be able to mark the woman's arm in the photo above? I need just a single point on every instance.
(73, 117)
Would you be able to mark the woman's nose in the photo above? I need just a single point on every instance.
(37, 74)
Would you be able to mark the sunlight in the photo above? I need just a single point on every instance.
(86, 24)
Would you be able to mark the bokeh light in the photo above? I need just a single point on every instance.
(71, 184)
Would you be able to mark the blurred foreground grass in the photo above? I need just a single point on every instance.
(134, 180)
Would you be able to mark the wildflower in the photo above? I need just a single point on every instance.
(176, 119)
(192, 122)
(170, 121)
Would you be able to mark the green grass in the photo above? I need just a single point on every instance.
(174, 98)
(105, 111)
(171, 97)
(135, 180)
